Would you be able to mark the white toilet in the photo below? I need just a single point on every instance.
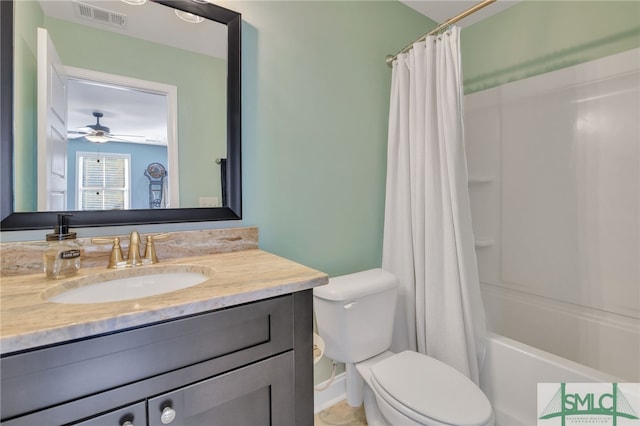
(355, 316)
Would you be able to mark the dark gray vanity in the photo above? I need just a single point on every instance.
(244, 365)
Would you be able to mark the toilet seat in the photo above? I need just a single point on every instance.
(427, 390)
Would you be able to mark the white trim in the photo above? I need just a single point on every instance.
(330, 396)
(172, 116)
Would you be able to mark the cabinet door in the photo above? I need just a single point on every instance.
(132, 415)
(258, 394)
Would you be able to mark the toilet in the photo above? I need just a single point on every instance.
(355, 315)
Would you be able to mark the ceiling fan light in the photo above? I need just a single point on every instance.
(97, 138)
(189, 17)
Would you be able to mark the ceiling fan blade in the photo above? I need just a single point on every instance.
(128, 138)
(99, 133)
(75, 134)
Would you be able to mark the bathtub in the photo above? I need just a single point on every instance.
(512, 370)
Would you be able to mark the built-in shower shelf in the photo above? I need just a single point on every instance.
(483, 243)
(478, 180)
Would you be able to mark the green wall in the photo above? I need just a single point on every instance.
(534, 37)
(315, 110)
(315, 105)
(27, 17)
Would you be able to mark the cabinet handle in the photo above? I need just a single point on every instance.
(167, 416)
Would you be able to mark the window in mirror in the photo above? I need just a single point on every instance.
(103, 181)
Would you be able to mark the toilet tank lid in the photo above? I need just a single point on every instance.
(352, 286)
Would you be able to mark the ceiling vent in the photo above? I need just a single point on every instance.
(99, 15)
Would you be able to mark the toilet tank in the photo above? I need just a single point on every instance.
(355, 313)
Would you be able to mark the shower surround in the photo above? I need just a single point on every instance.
(554, 180)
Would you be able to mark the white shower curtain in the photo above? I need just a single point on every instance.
(428, 240)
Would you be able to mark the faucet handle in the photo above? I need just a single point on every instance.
(150, 249)
(116, 260)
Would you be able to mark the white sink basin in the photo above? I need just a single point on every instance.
(110, 287)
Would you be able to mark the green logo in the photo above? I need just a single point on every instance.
(583, 404)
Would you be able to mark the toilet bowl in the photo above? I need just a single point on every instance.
(354, 313)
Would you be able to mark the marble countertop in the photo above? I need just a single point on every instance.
(27, 320)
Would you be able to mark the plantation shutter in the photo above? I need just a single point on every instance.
(103, 182)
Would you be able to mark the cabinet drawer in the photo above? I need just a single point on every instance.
(236, 336)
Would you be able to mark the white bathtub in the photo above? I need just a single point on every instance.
(512, 371)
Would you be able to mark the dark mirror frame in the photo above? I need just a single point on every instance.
(13, 221)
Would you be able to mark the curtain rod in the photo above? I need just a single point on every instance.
(390, 58)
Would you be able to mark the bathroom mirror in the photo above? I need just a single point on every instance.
(225, 164)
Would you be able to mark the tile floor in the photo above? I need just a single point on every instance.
(341, 415)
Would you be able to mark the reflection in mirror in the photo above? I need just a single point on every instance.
(108, 161)
(142, 112)
(74, 33)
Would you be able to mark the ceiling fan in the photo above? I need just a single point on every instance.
(98, 133)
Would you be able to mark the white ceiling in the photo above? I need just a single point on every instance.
(441, 10)
(131, 114)
(149, 21)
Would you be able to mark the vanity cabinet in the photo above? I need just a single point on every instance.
(250, 364)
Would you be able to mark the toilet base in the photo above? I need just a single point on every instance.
(354, 385)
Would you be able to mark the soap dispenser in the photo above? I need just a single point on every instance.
(62, 255)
